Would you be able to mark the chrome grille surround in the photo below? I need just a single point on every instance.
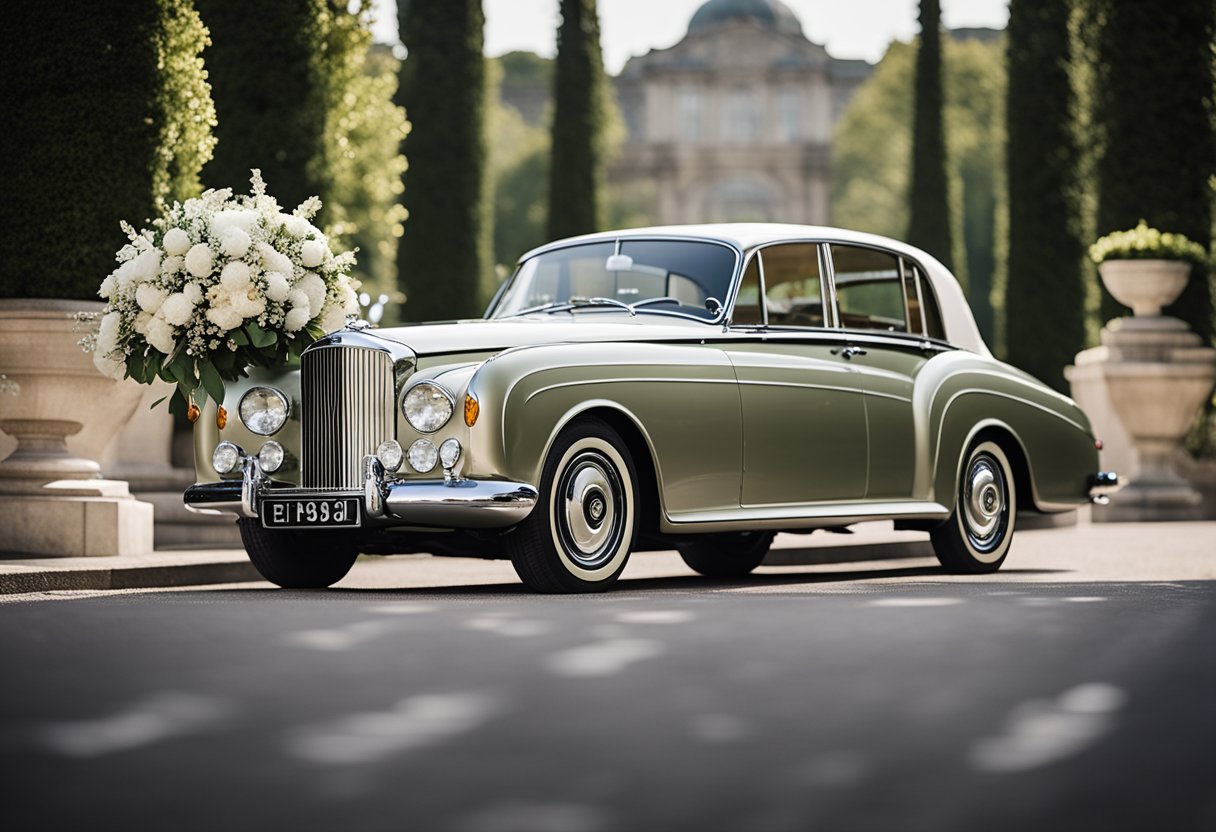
(347, 410)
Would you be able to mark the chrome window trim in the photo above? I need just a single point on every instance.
(757, 252)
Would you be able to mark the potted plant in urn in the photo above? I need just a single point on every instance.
(110, 117)
(1144, 268)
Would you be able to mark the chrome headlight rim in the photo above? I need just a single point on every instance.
(271, 456)
(422, 446)
(274, 391)
(226, 458)
(426, 427)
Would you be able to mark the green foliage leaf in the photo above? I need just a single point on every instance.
(212, 383)
(155, 403)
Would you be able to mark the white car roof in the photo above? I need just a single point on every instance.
(956, 314)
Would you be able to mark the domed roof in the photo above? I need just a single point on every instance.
(772, 14)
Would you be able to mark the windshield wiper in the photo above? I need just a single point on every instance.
(553, 306)
(581, 302)
(652, 301)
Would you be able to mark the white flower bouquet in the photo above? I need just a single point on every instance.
(219, 284)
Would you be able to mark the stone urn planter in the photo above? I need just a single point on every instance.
(52, 499)
(1145, 285)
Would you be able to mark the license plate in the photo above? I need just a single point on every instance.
(309, 512)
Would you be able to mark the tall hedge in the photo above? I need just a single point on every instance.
(929, 195)
(266, 66)
(576, 162)
(1152, 105)
(1045, 292)
(444, 261)
(108, 116)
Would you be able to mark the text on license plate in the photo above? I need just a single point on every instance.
(333, 511)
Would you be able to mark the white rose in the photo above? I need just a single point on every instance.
(193, 293)
(140, 324)
(296, 226)
(108, 286)
(235, 242)
(277, 287)
(199, 260)
(334, 317)
(224, 317)
(235, 276)
(177, 241)
(248, 303)
(313, 253)
(312, 285)
(107, 333)
(109, 367)
(147, 265)
(171, 266)
(150, 297)
(275, 261)
(177, 309)
(296, 319)
(225, 220)
(160, 335)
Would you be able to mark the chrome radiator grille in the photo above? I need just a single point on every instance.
(347, 410)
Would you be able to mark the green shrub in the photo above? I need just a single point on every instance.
(108, 117)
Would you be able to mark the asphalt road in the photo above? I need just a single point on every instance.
(884, 700)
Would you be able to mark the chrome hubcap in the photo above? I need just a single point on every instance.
(985, 503)
(589, 510)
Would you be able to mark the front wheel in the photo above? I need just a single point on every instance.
(578, 537)
(298, 560)
(976, 537)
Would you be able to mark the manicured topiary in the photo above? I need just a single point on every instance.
(443, 264)
(1144, 243)
(1045, 294)
(108, 117)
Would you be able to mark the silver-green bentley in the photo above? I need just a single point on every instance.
(696, 387)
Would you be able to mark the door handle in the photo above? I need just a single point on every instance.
(849, 351)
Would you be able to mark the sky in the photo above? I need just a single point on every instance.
(848, 28)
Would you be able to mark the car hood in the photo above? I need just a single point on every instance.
(479, 335)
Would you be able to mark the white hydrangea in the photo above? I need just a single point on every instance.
(199, 260)
(150, 297)
(171, 265)
(107, 333)
(177, 241)
(124, 276)
(313, 286)
(193, 293)
(296, 226)
(235, 242)
(244, 220)
(160, 335)
(177, 309)
(313, 253)
(277, 287)
(235, 276)
(296, 319)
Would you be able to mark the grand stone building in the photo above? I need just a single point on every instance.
(734, 122)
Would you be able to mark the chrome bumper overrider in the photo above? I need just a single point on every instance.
(1103, 484)
(456, 504)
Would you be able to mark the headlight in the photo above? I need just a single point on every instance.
(226, 458)
(390, 455)
(423, 455)
(264, 410)
(449, 453)
(427, 407)
(270, 457)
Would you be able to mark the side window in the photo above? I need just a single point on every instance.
(869, 289)
(747, 302)
(793, 294)
(933, 313)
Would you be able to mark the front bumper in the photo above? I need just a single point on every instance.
(1103, 484)
(453, 504)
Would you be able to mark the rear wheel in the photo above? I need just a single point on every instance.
(578, 537)
(730, 555)
(977, 535)
(298, 560)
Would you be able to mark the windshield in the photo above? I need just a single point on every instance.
(684, 277)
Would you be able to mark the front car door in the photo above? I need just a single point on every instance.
(804, 421)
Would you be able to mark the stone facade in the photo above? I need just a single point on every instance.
(734, 122)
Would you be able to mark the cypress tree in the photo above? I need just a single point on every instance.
(108, 118)
(1045, 294)
(444, 258)
(270, 98)
(576, 166)
(929, 223)
(1153, 108)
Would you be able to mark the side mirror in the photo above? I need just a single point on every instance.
(713, 305)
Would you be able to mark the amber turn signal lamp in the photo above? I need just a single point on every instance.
(221, 418)
(192, 413)
(471, 410)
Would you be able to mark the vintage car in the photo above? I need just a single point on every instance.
(696, 387)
